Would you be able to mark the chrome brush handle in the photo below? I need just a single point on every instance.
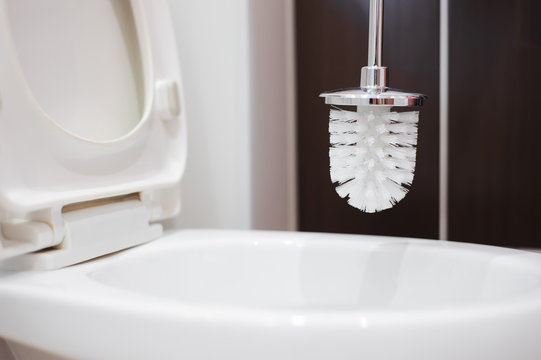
(374, 89)
(374, 76)
(375, 33)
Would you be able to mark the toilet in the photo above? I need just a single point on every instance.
(92, 152)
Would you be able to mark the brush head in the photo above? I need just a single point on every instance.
(372, 155)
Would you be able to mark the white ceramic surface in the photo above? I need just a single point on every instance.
(92, 109)
(272, 295)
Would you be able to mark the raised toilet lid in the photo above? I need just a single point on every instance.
(92, 131)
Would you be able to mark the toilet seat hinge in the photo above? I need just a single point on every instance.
(86, 230)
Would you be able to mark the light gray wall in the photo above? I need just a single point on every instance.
(274, 187)
(237, 66)
(213, 44)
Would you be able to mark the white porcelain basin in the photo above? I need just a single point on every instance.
(266, 295)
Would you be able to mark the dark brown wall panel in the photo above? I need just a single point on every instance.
(331, 49)
(495, 80)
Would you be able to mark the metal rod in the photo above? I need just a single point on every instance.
(444, 120)
(375, 33)
(374, 77)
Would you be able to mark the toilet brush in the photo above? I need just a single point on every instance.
(372, 150)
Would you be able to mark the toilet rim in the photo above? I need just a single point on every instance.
(74, 286)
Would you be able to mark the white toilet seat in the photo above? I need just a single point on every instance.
(50, 171)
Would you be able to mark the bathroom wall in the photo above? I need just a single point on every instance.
(237, 66)
(494, 124)
(488, 190)
(214, 56)
(241, 103)
(274, 170)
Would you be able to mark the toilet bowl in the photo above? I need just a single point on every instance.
(217, 294)
(92, 150)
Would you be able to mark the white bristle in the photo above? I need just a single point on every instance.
(372, 155)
